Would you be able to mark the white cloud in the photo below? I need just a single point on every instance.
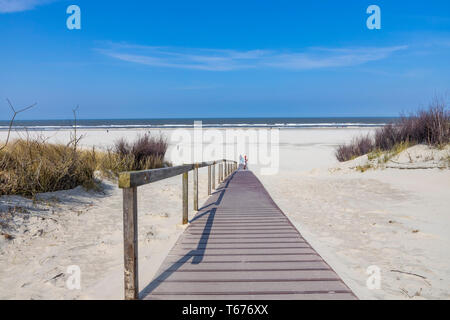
(9, 6)
(226, 60)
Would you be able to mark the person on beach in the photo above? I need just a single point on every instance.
(241, 161)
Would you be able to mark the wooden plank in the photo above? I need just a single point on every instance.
(242, 276)
(251, 287)
(235, 251)
(240, 245)
(257, 296)
(278, 259)
(231, 267)
(130, 237)
(139, 178)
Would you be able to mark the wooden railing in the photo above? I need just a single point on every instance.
(129, 181)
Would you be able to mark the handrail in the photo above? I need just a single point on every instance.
(138, 178)
(129, 181)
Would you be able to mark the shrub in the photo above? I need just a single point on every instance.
(358, 147)
(430, 126)
(144, 153)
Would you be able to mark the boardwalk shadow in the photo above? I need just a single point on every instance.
(196, 255)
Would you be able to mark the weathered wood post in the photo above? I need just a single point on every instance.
(213, 177)
(130, 237)
(209, 180)
(224, 170)
(196, 187)
(185, 197)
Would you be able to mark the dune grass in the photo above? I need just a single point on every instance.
(31, 166)
(428, 126)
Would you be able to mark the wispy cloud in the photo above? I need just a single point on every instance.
(9, 6)
(227, 60)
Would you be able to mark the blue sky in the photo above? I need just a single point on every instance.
(197, 59)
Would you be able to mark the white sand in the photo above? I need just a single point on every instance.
(394, 219)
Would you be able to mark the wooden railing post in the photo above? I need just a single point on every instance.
(209, 180)
(224, 170)
(196, 187)
(213, 176)
(130, 241)
(185, 197)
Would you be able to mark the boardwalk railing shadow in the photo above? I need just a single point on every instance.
(222, 191)
(196, 255)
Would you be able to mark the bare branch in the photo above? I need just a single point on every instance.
(74, 139)
(12, 120)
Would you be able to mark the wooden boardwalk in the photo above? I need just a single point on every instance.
(241, 246)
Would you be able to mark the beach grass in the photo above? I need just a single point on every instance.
(427, 126)
(31, 166)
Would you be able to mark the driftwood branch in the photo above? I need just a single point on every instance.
(410, 273)
(15, 113)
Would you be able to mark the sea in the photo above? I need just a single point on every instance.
(282, 123)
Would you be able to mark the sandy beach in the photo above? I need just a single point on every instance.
(395, 219)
